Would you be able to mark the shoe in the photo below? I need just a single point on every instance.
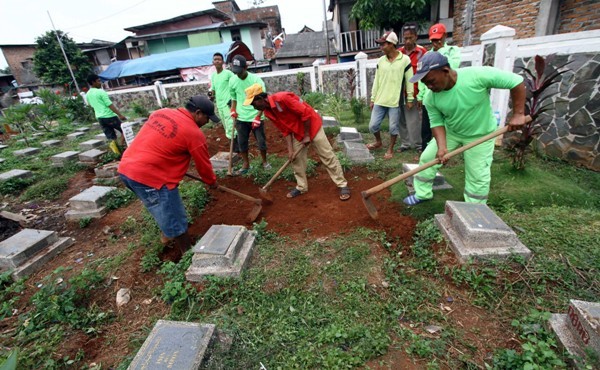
(412, 200)
(294, 193)
(344, 193)
(267, 166)
(403, 149)
(241, 172)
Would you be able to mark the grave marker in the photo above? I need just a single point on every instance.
(357, 152)
(475, 231)
(174, 345)
(26, 152)
(15, 174)
(220, 161)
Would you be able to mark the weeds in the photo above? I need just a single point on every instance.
(118, 198)
(85, 222)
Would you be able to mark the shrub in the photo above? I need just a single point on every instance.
(49, 189)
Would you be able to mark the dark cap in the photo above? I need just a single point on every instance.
(203, 104)
(238, 64)
(429, 62)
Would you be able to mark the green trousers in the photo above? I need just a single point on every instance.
(227, 121)
(478, 162)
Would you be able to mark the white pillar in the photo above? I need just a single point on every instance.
(361, 61)
(158, 92)
(497, 45)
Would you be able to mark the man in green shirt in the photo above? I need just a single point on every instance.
(247, 119)
(107, 114)
(460, 111)
(393, 70)
(219, 86)
(437, 36)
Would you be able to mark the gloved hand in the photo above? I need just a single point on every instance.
(233, 114)
(256, 123)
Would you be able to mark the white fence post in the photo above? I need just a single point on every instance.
(361, 61)
(497, 52)
(160, 92)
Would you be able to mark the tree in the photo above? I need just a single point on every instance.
(388, 13)
(49, 63)
(6, 71)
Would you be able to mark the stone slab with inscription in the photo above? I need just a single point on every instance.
(220, 161)
(174, 345)
(357, 152)
(223, 251)
(579, 329)
(330, 122)
(349, 134)
(59, 160)
(475, 231)
(439, 182)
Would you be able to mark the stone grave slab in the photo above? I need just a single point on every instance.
(82, 129)
(330, 122)
(91, 144)
(91, 156)
(100, 137)
(349, 134)
(26, 243)
(37, 261)
(15, 174)
(26, 152)
(220, 161)
(223, 251)
(475, 231)
(3, 147)
(357, 152)
(59, 160)
(579, 329)
(89, 203)
(439, 182)
(75, 135)
(107, 174)
(37, 134)
(48, 143)
(174, 345)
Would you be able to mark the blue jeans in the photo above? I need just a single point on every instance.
(165, 206)
(379, 113)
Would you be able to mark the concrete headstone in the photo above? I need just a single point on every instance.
(91, 144)
(357, 152)
(174, 345)
(75, 135)
(60, 159)
(330, 122)
(475, 231)
(439, 182)
(50, 143)
(26, 152)
(15, 174)
(220, 161)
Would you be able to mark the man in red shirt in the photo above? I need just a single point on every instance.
(301, 126)
(159, 157)
(410, 128)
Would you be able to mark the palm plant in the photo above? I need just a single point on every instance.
(538, 101)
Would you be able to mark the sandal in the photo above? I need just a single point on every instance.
(412, 200)
(241, 172)
(388, 156)
(373, 146)
(344, 193)
(294, 193)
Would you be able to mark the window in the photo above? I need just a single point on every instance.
(236, 35)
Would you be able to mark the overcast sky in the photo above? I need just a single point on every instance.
(21, 21)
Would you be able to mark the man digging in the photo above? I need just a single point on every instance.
(158, 159)
(301, 126)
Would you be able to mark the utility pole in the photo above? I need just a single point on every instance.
(64, 54)
(326, 31)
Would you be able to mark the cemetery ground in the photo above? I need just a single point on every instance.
(327, 286)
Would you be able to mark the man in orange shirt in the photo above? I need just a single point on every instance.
(159, 157)
(301, 126)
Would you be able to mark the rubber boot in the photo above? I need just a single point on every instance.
(114, 147)
(183, 242)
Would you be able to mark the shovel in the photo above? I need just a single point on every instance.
(264, 190)
(257, 202)
(230, 169)
(376, 189)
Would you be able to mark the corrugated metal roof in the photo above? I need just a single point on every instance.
(307, 44)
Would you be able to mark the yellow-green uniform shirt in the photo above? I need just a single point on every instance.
(389, 78)
(99, 100)
(465, 110)
(219, 83)
(237, 88)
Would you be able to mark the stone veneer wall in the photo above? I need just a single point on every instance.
(179, 95)
(288, 82)
(124, 100)
(574, 130)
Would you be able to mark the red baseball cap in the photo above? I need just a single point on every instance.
(437, 31)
